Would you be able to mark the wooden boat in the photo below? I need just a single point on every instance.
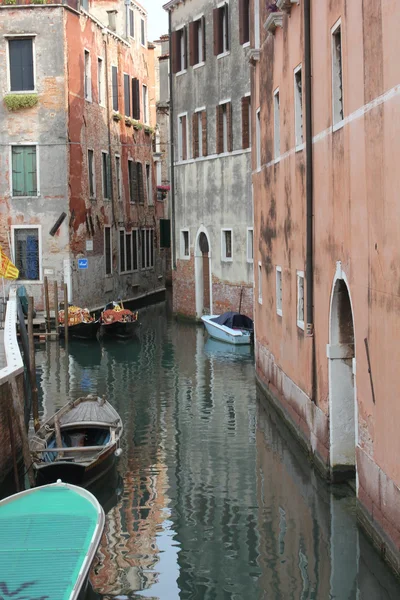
(118, 322)
(81, 325)
(78, 444)
(231, 327)
(48, 539)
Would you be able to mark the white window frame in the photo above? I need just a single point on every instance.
(30, 36)
(101, 81)
(300, 284)
(225, 258)
(149, 184)
(102, 174)
(182, 244)
(248, 95)
(250, 257)
(298, 109)
(258, 139)
(145, 102)
(104, 251)
(118, 171)
(131, 12)
(180, 145)
(146, 249)
(260, 299)
(279, 291)
(277, 124)
(39, 228)
(87, 77)
(224, 103)
(199, 41)
(257, 24)
(183, 69)
(159, 172)
(337, 121)
(37, 170)
(94, 174)
(225, 49)
(199, 113)
(142, 25)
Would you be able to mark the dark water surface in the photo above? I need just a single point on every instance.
(212, 499)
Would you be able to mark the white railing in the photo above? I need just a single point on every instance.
(15, 365)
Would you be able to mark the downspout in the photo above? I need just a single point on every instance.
(105, 39)
(309, 193)
(171, 145)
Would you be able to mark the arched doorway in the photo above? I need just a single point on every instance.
(342, 396)
(203, 274)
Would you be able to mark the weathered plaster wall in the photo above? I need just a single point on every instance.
(45, 125)
(214, 191)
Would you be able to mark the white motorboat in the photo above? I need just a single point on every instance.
(231, 327)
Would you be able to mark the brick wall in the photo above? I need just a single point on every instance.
(184, 297)
(5, 440)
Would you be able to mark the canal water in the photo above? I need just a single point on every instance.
(212, 499)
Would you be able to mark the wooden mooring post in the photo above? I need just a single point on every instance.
(56, 308)
(32, 366)
(66, 313)
(47, 301)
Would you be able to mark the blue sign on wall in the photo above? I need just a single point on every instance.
(82, 263)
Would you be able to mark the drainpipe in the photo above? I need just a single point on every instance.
(309, 192)
(171, 144)
(105, 39)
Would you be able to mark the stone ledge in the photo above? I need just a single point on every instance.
(286, 5)
(274, 20)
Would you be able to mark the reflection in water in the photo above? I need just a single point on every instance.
(212, 499)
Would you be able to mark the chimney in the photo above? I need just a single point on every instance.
(112, 19)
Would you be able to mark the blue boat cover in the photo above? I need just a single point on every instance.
(234, 320)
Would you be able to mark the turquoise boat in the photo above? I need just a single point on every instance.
(48, 539)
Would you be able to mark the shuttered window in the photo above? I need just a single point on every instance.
(21, 65)
(224, 128)
(122, 251)
(26, 246)
(135, 249)
(24, 171)
(128, 240)
(182, 137)
(139, 171)
(135, 99)
(108, 250)
(197, 41)
(106, 175)
(244, 21)
(114, 72)
(92, 193)
(132, 181)
(179, 50)
(221, 29)
(127, 96)
(87, 77)
(246, 124)
(199, 128)
(145, 104)
(131, 23)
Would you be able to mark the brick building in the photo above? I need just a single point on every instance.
(326, 223)
(76, 130)
(212, 203)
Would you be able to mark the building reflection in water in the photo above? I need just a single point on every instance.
(214, 501)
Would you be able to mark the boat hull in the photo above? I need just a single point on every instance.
(82, 331)
(225, 334)
(119, 330)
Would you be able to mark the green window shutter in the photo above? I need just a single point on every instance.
(18, 171)
(30, 171)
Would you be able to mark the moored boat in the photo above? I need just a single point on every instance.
(231, 327)
(118, 322)
(78, 444)
(48, 540)
(81, 325)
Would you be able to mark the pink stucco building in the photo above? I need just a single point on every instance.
(326, 230)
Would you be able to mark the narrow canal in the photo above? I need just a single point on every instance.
(212, 499)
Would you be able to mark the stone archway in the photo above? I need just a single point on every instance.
(202, 257)
(342, 392)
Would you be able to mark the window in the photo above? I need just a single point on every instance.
(224, 127)
(279, 291)
(179, 50)
(92, 183)
(159, 172)
(22, 76)
(114, 74)
(277, 125)
(128, 245)
(135, 99)
(88, 79)
(106, 176)
(259, 283)
(257, 24)
(250, 248)
(142, 32)
(85, 4)
(221, 29)
(24, 171)
(108, 249)
(300, 299)
(226, 254)
(244, 21)
(118, 176)
(27, 253)
(197, 39)
(145, 104)
(258, 139)
(149, 186)
(182, 137)
(337, 76)
(135, 250)
(100, 80)
(185, 248)
(147, 248)
(165, 233)
(298, 106)
(136, 189)
(131, 23)
(127, 96)
(246, 122)
(122, 268)
(199, 133)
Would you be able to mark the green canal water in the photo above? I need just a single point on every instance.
(212, 499)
